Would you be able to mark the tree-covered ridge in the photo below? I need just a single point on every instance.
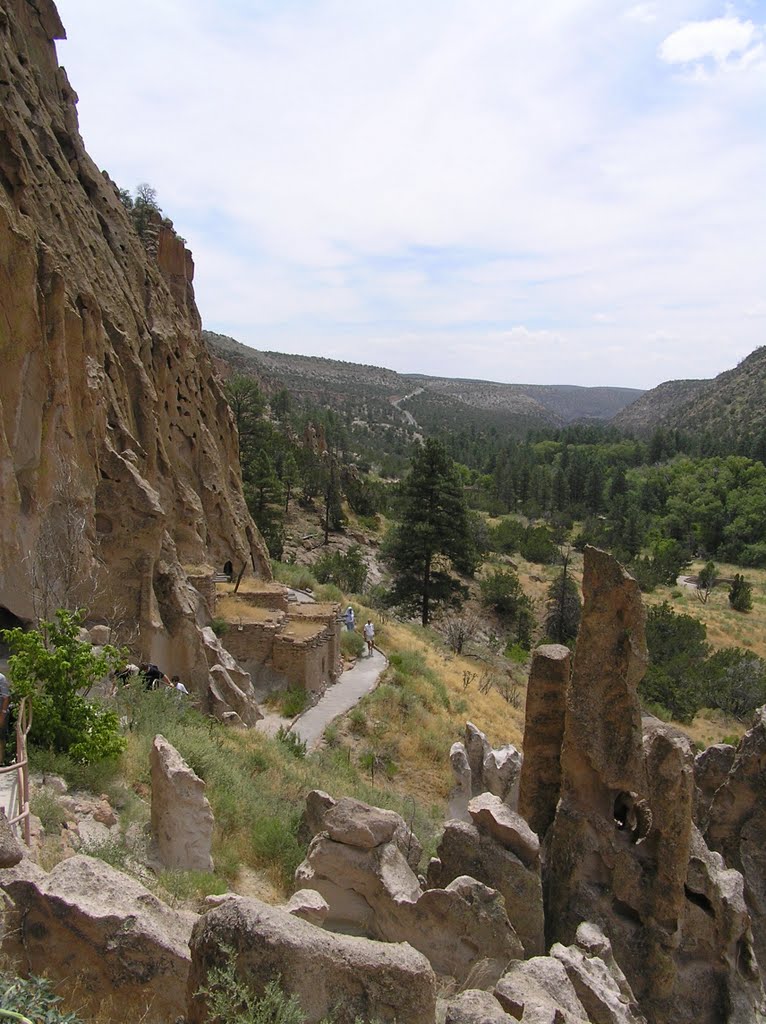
(727, 414)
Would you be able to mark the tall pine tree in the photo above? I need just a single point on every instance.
(432, 538)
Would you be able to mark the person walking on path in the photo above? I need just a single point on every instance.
(369, 636)
(348, 618)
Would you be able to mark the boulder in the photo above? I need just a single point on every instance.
(100, 635)
(596, 978)
(491, 815)
(182, 821)
(309, 905)
(102, 934)
(539, 990)
(475, 1007)
(354, 823)
(461, 772)
(374, 892)
(543, 735)
(340, 974)
(11, 851)
(464, 849)
(501, 773)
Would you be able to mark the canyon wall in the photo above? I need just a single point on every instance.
(118, 453)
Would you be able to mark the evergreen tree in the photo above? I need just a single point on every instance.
(741, 594)
(562, 619)
(432, 537)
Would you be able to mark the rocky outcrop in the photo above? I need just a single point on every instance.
(711, 770)
(10, 850)
(355, 823)
(182, 821)
(538, 990)
(344, 975)
(543, 735)
(98, 932)
(370, 889)
(736, 824)
(466, 849)
(622, 850)
(479, 768)
(118, 453)
(599, 984)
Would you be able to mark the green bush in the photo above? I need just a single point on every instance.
(291, 741)
(55, 670)
(49, 809)
(32, 1001)
(741, 594)
(352, 644)
(293, 702)
(677, 652)
(275, 841)
(348, 571)
(219, 626)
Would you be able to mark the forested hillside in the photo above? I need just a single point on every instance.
(727, 414)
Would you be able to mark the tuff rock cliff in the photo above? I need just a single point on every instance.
(118, 454)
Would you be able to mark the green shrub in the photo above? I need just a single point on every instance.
(275, 842)
(410, 663)
(100, 777)
(357, 721)
(329, 592)
(293, 702)
(188, 885)
(219, 626)
(291, 741)
(348, 571)
(55, 670)
(741, 594)
(48, 808)
(32, 1000)
(677, 652)
(352, 644)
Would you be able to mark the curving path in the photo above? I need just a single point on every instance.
(339, 698)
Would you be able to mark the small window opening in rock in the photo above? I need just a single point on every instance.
(103, 523)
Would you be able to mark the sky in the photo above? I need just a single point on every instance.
(557, 192)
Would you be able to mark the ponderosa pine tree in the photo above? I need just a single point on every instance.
(432, 539)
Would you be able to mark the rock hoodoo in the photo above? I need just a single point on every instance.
(622, 850)
(182, 821)
(543, 735)
(118, 454)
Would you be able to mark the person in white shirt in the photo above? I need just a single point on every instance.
(369, 636)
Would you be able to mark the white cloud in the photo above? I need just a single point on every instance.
(719, 39)
(412, 183)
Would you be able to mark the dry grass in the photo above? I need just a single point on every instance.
(725, 627)
(233, 611)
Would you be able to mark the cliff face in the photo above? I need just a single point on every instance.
(118, 454)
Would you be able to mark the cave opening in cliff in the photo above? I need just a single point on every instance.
(8, 621)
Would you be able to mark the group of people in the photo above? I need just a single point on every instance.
(368, 630)
(153, 677)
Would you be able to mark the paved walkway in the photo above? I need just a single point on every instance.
(339, 698)
(336, 700)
